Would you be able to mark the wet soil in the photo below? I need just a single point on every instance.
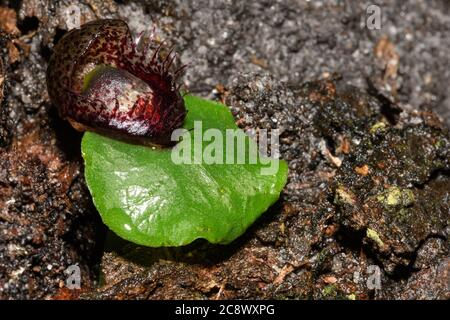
(363, 116)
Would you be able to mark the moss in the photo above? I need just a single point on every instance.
(395, 196)
(378, 127)
(329, 291)
(342, 196)
(351, 296)
(373, 235)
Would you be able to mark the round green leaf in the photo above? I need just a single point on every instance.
(147, 198)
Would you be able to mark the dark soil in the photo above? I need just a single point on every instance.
(363, 116)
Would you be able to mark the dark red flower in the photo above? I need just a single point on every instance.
(101, 80)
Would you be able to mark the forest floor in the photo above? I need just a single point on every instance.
(364, 118)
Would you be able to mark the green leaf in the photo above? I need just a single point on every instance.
(145, 197)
